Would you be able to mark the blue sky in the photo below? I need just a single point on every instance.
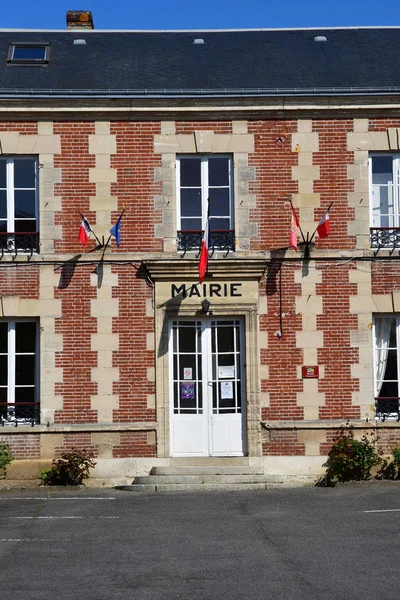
(203, 14)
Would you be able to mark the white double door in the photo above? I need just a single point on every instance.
(207, 388)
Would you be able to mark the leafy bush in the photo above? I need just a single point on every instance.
(349, 460)
(5, 457)
(71, 469)
(390, 468)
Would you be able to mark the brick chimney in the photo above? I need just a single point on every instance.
(79, 19)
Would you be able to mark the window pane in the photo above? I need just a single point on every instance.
(25, 337)
(190, 172)
(3, 173)
(219, 224)
(219, 202)
(391, 366)
(3, 369)
(3, 396)
(25, 369)
(24, 173)
(191, 203)
(187, 339)
(25, 225)
(218, 171)
(3, 204)
(191, 224)
(225, 339)
(188, 361)
(389, 390)
(3, 337)
(24, 395)
(29, 53)
(382, 169)
(25, 204)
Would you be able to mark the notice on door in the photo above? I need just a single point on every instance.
(187, 391)
(226, 372)
(187, 373)
(227, 390)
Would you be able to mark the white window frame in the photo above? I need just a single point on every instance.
(10, 198)
(396, 187)
(204, 187)
(375, 358)
(11, 357)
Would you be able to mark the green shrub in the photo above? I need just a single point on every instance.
(5, 457)
(71, 469)
(349, 460)
(390, 468)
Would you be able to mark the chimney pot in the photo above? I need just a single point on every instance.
(79, 19)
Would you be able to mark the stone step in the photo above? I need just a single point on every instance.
(193, 487)
(207, 470)
(203, 478)
(217, 461)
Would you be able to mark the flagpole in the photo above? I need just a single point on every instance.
(300, 229)
(327, 210)
(97, 239)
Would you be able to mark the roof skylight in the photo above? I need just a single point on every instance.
(28, 53)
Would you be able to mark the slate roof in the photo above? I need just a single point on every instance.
(229, 63)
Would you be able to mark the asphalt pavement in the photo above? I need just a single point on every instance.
(300, 544)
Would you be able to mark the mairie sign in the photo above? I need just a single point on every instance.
(206, 290)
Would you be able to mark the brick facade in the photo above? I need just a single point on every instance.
(96, 307)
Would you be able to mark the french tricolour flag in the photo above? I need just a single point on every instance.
(324, 227)
(84, 231)
(203, 259)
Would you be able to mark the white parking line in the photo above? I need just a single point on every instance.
(383, 510)
(53, 498)
(63, 517)
(33, 540)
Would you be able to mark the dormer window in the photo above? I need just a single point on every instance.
(28, 54)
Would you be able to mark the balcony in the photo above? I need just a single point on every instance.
(20, 242)
(20, 413)
(221, 240)
(385, 237)
(387, 407)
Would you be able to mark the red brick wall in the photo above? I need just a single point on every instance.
(21, 446)
(333, 185)
(337, 355)
(135, 188)
(18, 279)
(77, 359)
(283, 443)
(75, 188)
(133, 443)
(385, 276)
(273, 160)
(132, 358)
(282, 355)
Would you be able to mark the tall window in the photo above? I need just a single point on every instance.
(386, 359)
(19, 205)
(205, 181)
(385, 200)
(19, 372)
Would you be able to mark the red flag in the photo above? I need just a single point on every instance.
(203, 259)
(324, 227)
(294, 229)
(84, 231)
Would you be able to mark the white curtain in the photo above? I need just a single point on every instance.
(382, 338)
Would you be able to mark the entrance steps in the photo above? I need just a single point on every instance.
(191, 475)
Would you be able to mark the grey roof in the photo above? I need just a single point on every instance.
(229, 63)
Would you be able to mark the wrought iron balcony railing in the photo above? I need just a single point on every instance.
(385, 237)
(20, 413)
(387, 407)
(222, 240)
(24, 242)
